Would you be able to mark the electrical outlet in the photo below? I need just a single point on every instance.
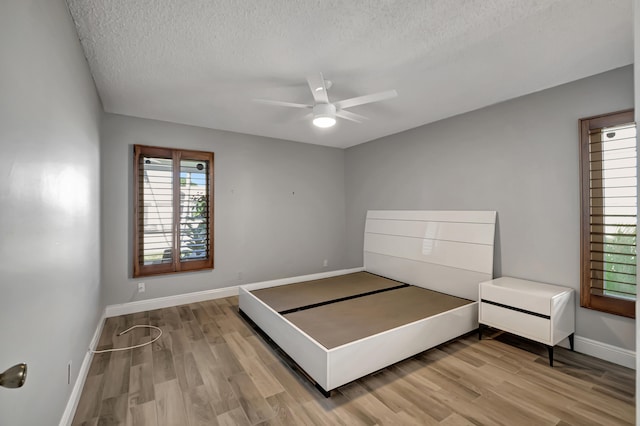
(69, 373)
(325, 263)
(141, 288)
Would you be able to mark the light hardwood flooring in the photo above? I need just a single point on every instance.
(210, 368)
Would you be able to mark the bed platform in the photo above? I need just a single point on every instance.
(420, 289)
(297, 296)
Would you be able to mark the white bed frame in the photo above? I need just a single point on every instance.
(446, 251)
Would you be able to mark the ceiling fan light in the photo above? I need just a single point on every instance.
(324, 121)
(324, 115)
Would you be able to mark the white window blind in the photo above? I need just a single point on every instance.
(609, 213)
(613, 214)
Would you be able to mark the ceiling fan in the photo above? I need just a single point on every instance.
(324, 113)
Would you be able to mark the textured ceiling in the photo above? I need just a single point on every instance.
(201, 62)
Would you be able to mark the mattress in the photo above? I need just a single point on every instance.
(339, 310)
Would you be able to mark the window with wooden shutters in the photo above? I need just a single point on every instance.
(609, 213)
(173, 209)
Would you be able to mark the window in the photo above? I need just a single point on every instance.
(609, 211)
(173, 210)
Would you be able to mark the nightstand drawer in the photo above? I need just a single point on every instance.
(527, 299)
(520, 323)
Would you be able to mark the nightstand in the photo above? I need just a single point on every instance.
(541, 312)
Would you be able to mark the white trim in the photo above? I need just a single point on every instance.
(218, 293)
(614, 354)
(302, 278)
(166, 302)
(74, 398)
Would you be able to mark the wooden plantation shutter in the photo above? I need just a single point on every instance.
(173, 210)
(609, 213)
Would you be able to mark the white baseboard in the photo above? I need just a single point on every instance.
(614, 354)
(218, 293)
(165, 302)
(74, 398)
(302, 278)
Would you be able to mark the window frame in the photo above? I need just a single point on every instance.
(177, 265)
(609, 304)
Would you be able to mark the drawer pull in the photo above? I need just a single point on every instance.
(512, 308)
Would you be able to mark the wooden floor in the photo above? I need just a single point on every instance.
(210, 368)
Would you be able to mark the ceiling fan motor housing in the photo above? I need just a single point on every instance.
(324, 110)
(324, 115)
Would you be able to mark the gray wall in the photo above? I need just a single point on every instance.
(279, 207)
(519, 158)
(49, 207)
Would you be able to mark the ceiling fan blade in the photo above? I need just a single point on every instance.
(318, 88)
(351, 116)
(305, 117)
(281, 103)
(366, 99)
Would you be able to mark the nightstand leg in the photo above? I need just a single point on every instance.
(550, 349)
(479, 331)
(571, 340)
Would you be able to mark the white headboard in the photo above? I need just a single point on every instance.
(446, 251)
